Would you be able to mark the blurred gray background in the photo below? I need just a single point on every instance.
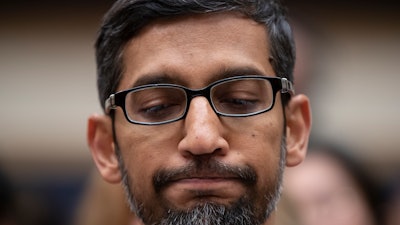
(348, 64)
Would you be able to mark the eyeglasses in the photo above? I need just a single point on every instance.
(239, 96)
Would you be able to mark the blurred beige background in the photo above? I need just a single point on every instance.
(47, 81)
(47, 85)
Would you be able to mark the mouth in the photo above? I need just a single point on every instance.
(212, 176)
(205, 182)
(199, 183)
(192, 191)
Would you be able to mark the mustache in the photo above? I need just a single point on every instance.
(208, 168)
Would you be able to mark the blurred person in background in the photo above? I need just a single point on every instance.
(103, 203)
(331, 188)
(7, 201)
(287, 213)
(200, 116)
(21, 207)
(391, 201)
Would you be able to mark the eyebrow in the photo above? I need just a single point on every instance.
(157, 78)
(236, 71)
(163, 78)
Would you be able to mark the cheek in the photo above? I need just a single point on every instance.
(144, 150)
(268, 156)
(260, 145)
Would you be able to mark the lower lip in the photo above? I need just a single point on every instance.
(205, 183)
(189, 192)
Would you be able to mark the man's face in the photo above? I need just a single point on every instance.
(203, 159)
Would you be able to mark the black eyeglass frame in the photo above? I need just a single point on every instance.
(277, 83)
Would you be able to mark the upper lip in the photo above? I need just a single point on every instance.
(199, 175)
(204, 176)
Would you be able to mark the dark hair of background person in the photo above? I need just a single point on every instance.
(391, 200)
(7, 200)
(127, 17)
(20, 207)
(368, 188)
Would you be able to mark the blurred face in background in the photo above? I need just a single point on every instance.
(324, 193)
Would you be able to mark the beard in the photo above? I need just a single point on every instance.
(253, 208)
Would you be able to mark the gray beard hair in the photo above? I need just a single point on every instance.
(212, 214)
(242, 212)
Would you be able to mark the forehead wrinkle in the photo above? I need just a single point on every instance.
(176, 29)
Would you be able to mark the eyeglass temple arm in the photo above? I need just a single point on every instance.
(287, 86)
(110, 104)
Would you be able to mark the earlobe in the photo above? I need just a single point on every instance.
(101, 144)
(298, 126)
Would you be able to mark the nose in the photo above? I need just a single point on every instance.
(203, 131)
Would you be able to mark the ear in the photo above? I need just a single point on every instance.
(298, 126)
(101, 144)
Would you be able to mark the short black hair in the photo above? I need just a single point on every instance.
(126, 17)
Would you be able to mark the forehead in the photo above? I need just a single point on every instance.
(195, 49)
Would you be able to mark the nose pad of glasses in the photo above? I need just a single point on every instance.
(204, 96)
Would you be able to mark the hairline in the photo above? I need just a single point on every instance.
(122, 40)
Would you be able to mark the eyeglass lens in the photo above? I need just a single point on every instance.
(235, 97)
(240, 97)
